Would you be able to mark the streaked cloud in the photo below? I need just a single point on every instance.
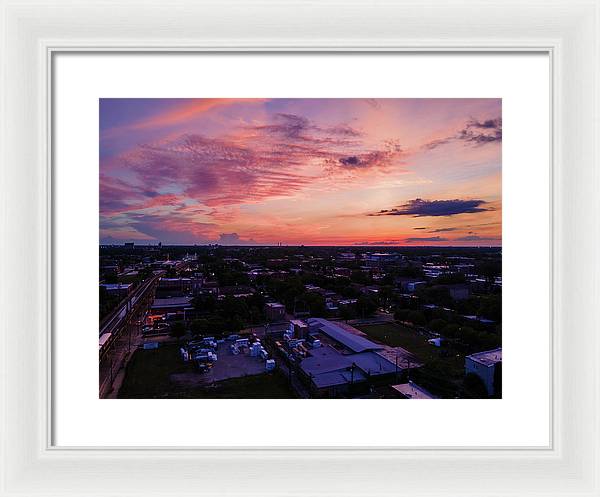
(474, 132)
(425, 239)
(312, 171)
(476, 238)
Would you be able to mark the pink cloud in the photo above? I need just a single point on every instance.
(191, 187)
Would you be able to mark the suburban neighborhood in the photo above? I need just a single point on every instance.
(300, 322)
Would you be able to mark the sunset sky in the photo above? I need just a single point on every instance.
(301, 171)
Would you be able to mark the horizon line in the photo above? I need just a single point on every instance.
(291, 245)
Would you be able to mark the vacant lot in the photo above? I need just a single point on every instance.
(161, 373)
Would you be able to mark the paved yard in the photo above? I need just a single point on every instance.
(161, 373)
(229, 365)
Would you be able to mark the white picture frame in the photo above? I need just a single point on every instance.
(569, 31)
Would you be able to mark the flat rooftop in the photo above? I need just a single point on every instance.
(335, 378)
(298, 322)
(411, 390)
(353, 342)
(171, 302)
(487, 357)
(328, 367)
(116, 286)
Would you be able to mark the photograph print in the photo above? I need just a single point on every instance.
(298, 248)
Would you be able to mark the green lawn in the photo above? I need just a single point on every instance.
(148, 371)
(148, 375)
(443, 376)
(272, 385)
(398, 335)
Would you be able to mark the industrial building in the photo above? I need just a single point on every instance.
(346, 363)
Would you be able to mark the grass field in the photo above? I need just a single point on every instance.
(272, 385)
(443, 376)
(397, 335)
(149, 371)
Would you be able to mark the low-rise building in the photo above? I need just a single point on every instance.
(174, 286)
(411, 390)
(408, 284)
(379, 259)
(488, 366)
(120, 290)
(275, 311)
(173, 305)
(459, 292)
(235, 291)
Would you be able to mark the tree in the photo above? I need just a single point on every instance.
(315, 303)
(491, 307)
(474, 387)
(438, 295)
(490, 270)
(498, 380)
(199, 327)
(347, 312)
(386, 293)
(437, 325)
(366, 306)
(177, 330)
(450, 331)
(205, 303)
(410, 272)
(361, 278)
(417, 318)
(401, 314)
(111, 278)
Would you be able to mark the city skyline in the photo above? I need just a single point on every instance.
(386, 172)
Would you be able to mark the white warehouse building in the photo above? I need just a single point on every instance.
(485, 364)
